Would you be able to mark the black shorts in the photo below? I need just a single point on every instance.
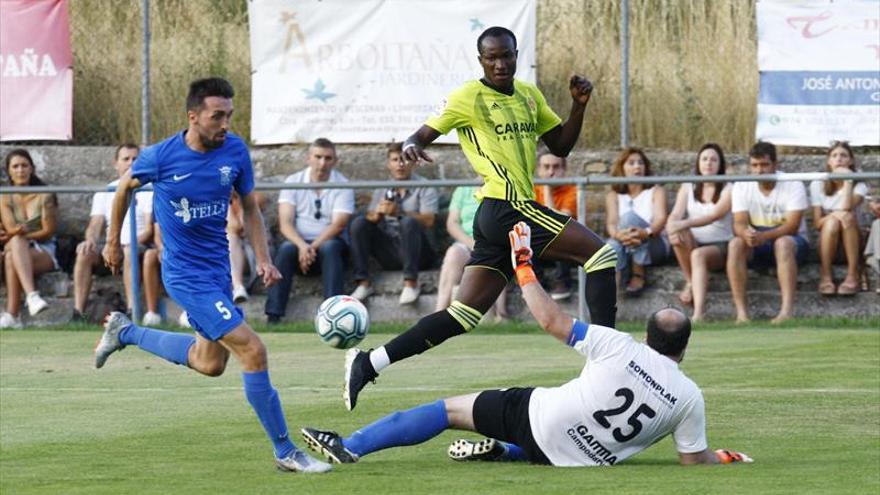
(495, 218)
(504, 415)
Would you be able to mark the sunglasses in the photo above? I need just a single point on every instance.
(318, 209)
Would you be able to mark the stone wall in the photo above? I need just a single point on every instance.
(91, 165)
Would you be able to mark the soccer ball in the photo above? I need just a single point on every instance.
(342, 322)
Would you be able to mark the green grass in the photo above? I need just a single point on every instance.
(803, 400)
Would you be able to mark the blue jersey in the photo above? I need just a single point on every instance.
(190, 201)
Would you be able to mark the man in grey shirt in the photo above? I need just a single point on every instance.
(395, 231)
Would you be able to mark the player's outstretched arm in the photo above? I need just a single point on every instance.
(112, 250)
(545, 310)
(414, 146)
(256, 232)
(561, 139)
(720, 456)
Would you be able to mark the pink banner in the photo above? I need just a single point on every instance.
(36, 70)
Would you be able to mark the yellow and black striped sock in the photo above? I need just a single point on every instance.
(433, 330)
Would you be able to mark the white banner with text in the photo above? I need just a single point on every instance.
(819, 64)
(368, 71)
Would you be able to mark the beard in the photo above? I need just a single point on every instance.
(212, 143)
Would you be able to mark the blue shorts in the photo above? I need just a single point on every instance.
(211, 312)
(763, 256)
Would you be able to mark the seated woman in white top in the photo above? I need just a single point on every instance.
(834, 204)
(700, 227)
(635, 215)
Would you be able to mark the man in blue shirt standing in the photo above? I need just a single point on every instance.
(193, 174)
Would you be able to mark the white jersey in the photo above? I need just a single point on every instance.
(627, 397)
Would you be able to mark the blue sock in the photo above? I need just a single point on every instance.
(514, 452)
(410, 427)
(171, 346)
(264, 399)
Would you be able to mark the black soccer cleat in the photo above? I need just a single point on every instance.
(487, 449)
(358, 371)
(329, 444)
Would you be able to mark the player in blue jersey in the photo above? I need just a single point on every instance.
(193, 174)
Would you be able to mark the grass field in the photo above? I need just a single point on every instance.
(803, 400)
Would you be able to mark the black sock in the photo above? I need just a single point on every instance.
(601, 296)
(430, 331)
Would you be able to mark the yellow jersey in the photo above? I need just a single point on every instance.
(498, 134)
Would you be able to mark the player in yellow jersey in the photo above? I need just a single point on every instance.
(499, 121)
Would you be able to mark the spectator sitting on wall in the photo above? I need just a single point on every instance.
(29, 235)
(313, 223)
(88, 252)
(700, 227)
(395, 230)
(634, 217)
(769, 229)
(834, 204)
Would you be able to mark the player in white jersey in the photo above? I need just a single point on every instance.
(628, 396)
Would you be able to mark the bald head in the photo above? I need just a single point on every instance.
(668, 332)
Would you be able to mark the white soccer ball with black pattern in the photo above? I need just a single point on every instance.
(342, 321)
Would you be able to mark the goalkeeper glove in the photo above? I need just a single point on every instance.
(730, 456)
(521, 253)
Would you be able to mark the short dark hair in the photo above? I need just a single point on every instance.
(323, 142)
(668, 335)
(396, 147)
(763, 148)
(203, 88)
(495, 32)
(125, 146)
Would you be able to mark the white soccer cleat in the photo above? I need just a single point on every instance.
(300, 462)
(114, 324)
(35, 303)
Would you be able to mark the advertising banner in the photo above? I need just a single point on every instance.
(819, 64)
(36, 71)
(368, 71)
